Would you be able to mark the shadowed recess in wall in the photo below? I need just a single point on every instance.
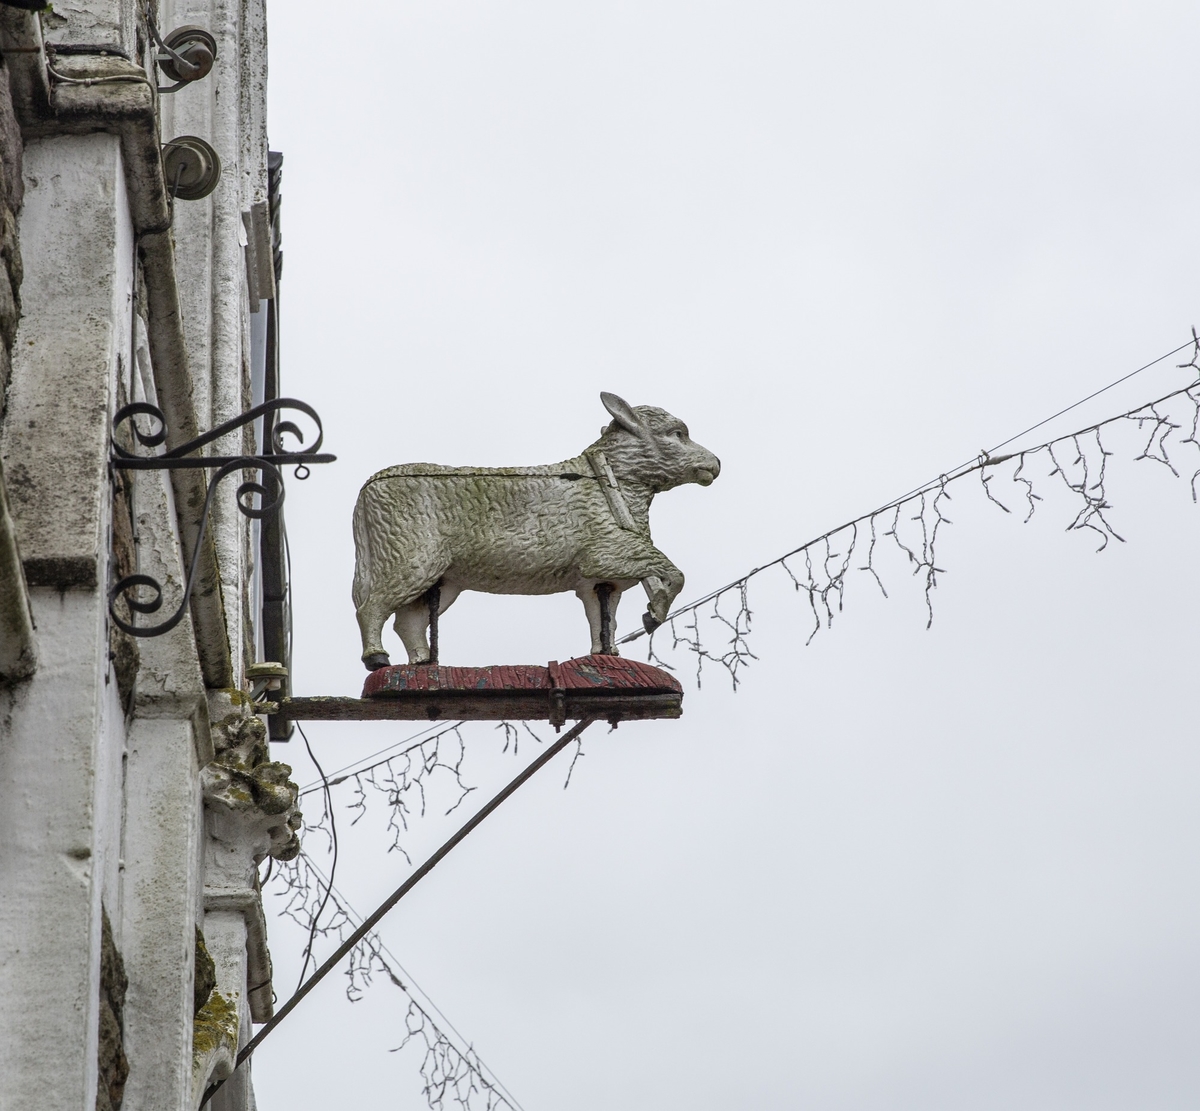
(112, 1065)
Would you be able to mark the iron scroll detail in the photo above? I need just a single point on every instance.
(269, 463)
(127, 586)
(181, 456)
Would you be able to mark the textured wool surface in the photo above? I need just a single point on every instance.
(519, 530)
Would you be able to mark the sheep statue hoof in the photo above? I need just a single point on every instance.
(424, 533)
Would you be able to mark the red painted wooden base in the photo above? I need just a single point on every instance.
(591, 673)
(606, 687)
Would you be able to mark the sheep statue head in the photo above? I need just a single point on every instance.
(425, 533)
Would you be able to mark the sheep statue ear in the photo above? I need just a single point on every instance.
(623, 413)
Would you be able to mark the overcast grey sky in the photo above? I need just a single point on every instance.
(850, 245)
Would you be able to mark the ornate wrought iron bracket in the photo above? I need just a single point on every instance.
(270, 490)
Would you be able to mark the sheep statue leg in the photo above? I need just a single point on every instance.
(661, 591)
(412, 625)
(661, 579)
(371, 618)
(590, 598)
(412, 622)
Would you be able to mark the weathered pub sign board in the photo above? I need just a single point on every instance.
(425, 533)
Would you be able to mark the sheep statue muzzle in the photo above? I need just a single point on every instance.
(580, 525)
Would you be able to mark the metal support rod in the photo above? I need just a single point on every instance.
(370, 922)
(604, 591)
(434, 601)
(208, 462)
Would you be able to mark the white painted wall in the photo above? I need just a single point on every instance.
(96, 810)
(159, 914)
(62, 734)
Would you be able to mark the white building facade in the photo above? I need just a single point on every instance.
(137, 794)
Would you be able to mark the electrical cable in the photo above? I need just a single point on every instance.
(110, 79)
(333, 837)
(985, 458)
(182, 64)
(287, 556)
(354, 916)
(369, 923)
(1105, 389)
(352, 769)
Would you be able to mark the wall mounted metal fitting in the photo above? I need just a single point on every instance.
(187, 54)
(191, 168)
(265, 676)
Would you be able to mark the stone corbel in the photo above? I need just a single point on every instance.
(251, 813)
(249, 798)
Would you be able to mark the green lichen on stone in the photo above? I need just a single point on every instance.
(216, 1025)
(273, 791)
(205, 974)
(242, 738)
(243, 777)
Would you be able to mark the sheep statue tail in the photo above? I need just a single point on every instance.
(361, 590)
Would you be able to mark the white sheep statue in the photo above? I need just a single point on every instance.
(424, 533)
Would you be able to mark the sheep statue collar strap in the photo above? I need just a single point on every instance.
(612, 490)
